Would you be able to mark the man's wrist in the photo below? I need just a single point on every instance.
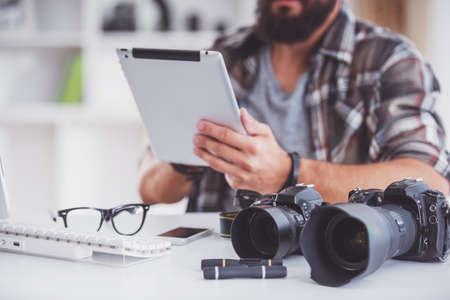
(294, 172)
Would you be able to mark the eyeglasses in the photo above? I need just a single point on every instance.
(126, 219)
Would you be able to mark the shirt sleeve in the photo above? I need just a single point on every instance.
(403, 118)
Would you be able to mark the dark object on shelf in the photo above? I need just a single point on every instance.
(165, 21)
(407, 221)
(193, 22)
(221, 27)
(271, 226)
(8, 3)
(11, 13)
(123, 18)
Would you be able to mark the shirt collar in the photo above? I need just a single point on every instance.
(339, 40)
(241, 49)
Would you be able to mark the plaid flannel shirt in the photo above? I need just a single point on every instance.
(370, 97)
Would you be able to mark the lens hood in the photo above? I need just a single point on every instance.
(263, 232)
(325, 268)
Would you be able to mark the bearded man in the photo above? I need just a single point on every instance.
(325, 99)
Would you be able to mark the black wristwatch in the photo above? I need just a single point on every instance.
(295, 169)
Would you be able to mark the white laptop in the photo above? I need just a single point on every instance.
(4, 202)
(70, 245)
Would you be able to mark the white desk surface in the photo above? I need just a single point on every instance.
(178, 275)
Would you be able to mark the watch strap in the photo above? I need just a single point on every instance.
(295, 169)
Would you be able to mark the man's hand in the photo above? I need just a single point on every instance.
(255, 162)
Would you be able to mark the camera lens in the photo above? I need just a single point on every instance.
(271, 227)
(263, 234)
(347, 242)
(266, 232)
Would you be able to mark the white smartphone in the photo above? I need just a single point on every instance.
(184, 235)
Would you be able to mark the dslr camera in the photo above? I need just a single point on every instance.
(407, 221)
(271, 226)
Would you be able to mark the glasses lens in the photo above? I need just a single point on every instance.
(128, 220)
(84, 220)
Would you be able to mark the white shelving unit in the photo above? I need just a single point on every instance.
(59, 155)
(63, 155)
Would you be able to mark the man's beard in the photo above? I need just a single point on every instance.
(291, 29)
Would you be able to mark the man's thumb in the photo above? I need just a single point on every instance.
(252, 126)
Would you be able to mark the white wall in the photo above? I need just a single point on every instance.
(61, 156)
(55, 164)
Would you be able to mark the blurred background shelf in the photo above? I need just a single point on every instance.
(35, 114)
(40, 40)
(57, 114)
(70, 133)
(173, 39)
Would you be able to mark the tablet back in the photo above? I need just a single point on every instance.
(175, 89)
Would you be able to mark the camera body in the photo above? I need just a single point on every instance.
(371, 197)
(271, 226)
(407, 221)
(430, 209)
(299, 198)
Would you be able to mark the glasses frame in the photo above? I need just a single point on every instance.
(106, 215)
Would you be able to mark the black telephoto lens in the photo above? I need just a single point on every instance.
(346, 241)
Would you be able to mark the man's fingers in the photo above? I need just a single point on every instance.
(218, 164)
(251, 125)
(223, 134)
(221, 150)
(235, 183)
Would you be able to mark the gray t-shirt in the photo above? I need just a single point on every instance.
(285, 113)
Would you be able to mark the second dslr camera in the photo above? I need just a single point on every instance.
(271, 226)
(407, 221)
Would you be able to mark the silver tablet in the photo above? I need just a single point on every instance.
(173, 90)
